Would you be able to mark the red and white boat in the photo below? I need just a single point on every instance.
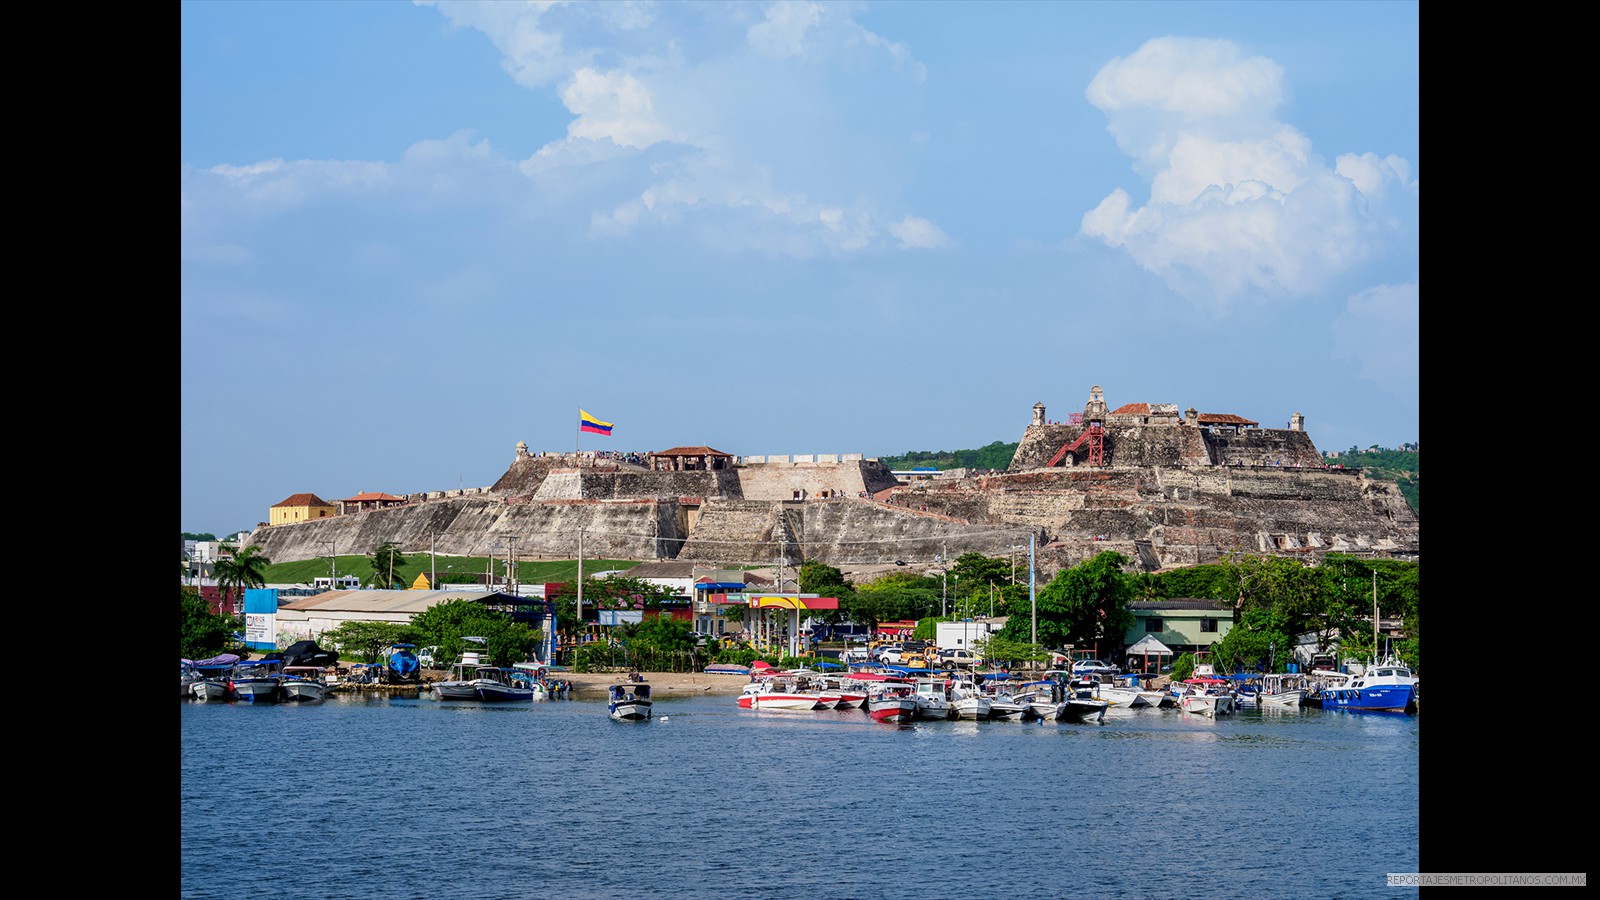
(784, 693)
(852, 694)
(892, 701)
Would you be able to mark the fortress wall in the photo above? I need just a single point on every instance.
(852, 530)
(1039, 443)
(1264, 447)
(775, 481)
(624, 530)
(563, 485)
(701, 483)
(737, 532)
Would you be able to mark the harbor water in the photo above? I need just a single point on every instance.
(367, 796)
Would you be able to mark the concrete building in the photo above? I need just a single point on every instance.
(299, 508)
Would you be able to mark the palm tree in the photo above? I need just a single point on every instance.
(384, 561)
(246, 568)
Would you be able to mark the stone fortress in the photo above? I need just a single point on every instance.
(1167, 489)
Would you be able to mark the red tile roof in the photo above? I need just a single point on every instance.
(1132, 409)
(302, 500)
(370, 495)
(1224, 419)
(692, 451)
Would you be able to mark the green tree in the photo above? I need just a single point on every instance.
(244, 568)
(443, 625)
(659, 644)
(997, 649)
(893, 597)
(1210, 581)
(201, 632)
(366, 640)
(385, 561)
(1261, 638)
(1084, 604)
(826, 581)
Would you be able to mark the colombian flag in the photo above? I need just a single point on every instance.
(587, 422)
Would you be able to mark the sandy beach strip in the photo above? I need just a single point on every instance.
(594, 685)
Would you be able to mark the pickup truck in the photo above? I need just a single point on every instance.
(959, 657)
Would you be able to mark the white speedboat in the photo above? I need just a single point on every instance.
(780, 694)
(1119, 693)
(630, 701)
(257, 681)
(1280, 691)
(967, 701)
(1206, 697)
(303, 684)
(933, 699)
(1045, 699)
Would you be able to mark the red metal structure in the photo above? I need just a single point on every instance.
(1095, 436)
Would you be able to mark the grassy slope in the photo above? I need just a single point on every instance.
(529, 572)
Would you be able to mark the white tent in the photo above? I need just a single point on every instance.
(1147, 647)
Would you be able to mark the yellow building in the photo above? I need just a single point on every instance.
(300, 508)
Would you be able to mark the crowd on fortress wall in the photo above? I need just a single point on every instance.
(629, 456)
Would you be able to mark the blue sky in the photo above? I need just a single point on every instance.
(414, 234)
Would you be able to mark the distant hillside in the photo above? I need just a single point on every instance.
(1403, 467)
(992, 456)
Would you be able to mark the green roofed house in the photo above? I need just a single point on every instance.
(1183, 625)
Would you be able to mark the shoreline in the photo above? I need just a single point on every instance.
(595, 685)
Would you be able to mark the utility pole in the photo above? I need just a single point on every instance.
(433, 560)
(1374, 616)
(1033, 600)
(511, 564)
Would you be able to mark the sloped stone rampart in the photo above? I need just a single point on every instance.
(477, 527)
(738, 532)
(851, 530)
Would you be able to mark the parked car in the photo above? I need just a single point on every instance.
(1093, 667)
(426, 657)
(959, 657)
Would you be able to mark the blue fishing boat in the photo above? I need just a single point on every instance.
(1388, 686)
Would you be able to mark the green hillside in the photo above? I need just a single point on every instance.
(991, 456)
(1403, 467)
(450, 569)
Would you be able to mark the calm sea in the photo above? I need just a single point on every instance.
(399, 798)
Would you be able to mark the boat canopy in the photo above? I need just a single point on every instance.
(222, 659)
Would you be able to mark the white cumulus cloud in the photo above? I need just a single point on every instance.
(1239, 202)
(919, 233)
